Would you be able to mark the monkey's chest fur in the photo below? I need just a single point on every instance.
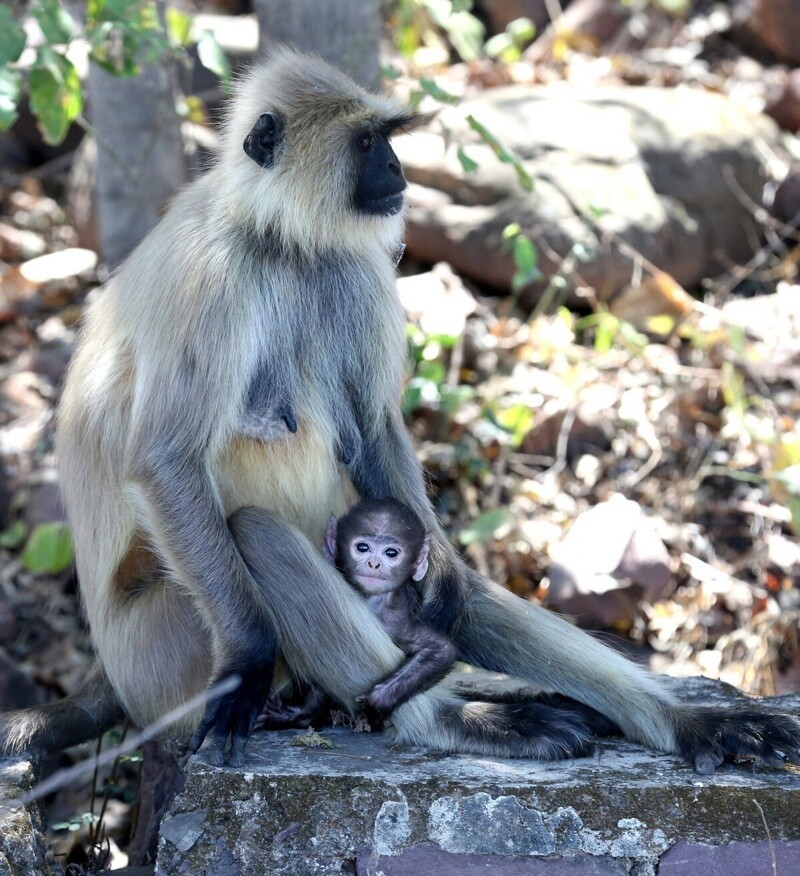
(330, 365)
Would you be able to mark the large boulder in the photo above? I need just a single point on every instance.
(673, 173)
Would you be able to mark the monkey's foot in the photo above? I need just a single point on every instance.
(706, 737)
(278, 714)
(232, 717)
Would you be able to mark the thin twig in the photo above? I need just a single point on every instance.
(769, 837)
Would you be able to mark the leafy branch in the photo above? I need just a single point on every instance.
(121, 36)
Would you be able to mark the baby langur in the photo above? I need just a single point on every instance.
(381, 547)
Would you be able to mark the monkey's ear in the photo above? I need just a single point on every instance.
(421, 569)
(264, 138)
(329, 544)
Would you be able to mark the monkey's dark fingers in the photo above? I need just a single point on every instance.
(708, 736)
(233, 716)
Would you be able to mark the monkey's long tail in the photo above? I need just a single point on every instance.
(498, 729)
(504, 633)
(86, 714)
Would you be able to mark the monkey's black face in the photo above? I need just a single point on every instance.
(379, 177)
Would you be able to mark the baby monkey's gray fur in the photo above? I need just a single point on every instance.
(381, 547)
(269, 286)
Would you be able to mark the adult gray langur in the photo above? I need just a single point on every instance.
(238, 382)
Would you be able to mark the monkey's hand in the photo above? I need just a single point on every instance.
(707, 736)
(377, 719)
(380, 699)
(233, 716)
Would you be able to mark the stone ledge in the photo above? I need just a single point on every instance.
(21, 844)
(364, 807)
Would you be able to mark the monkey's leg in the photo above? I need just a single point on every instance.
(331, 639)
(86, 714)
(502, 632)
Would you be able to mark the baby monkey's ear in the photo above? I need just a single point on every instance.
(329, 543)
(421, 568)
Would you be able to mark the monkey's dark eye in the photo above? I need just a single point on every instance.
(365, 142)
(391, 552)
(362, 547)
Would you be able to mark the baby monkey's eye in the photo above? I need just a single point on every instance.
(362, 547)
(391, 552)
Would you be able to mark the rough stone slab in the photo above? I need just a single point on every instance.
(425, 859)
(301, 811)
(735, 859)
(21, 843)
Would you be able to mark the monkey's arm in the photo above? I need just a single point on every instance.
(430, 657)
(388, 467)
(192, 535)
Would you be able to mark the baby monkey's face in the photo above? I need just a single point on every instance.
(379, 563)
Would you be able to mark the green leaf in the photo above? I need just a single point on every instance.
(455, 397)
(115, 10)
(10, 90)
(523, 30)
(505, 155)
(49, 549)
(467, 163)
(499, 46)
(606, 332)
(485, 527)
(793, 503)
(431, 88)
(662, 324)
(212, 57)
(632, 337)
(517, 420)
(433, 371)
(12, 36)
(526, 258)
(14, 536)
(179, 26)
(56, 23)
(390, 73)
(56, 96)
(466, 33)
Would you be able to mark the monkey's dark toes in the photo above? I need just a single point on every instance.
(232, 717)
(709, 736)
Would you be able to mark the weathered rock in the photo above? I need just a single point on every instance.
(21, 844)
(785, 108)
(500, 13)
(776, 25)
(663, 170)
(610, 560)
(367, 807)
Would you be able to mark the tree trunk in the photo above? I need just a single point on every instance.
(141, 159)
(344, 32)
